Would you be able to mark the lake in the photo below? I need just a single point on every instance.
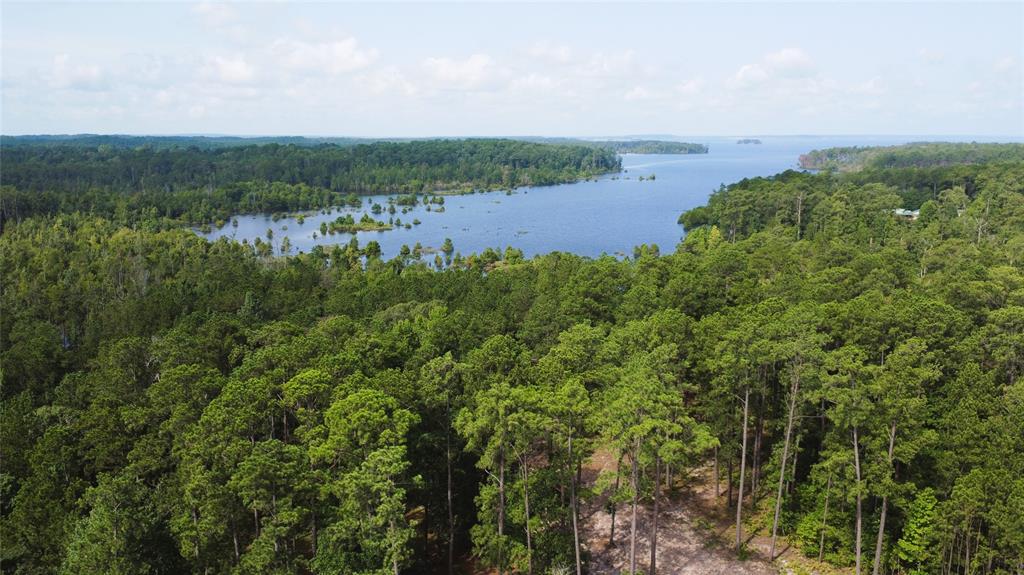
(607, 216)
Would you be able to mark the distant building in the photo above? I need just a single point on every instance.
(906, 214)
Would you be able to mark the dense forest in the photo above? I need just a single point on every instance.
(175, 405)
(631, 146)
(655, 147)
(204, 184)
(161, 142)
(916, 155)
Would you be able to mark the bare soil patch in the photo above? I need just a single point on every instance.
(691, 537)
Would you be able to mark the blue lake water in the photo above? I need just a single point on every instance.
(607, 216)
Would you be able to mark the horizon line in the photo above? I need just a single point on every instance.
(505, 136)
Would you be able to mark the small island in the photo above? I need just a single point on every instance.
(346, 224)
(748, 141)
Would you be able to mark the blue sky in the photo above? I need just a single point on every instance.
(425, 69)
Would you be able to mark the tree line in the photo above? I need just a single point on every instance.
(125, 141)
(853, 379)
(915, 155)
(631, 146)
(200, 185)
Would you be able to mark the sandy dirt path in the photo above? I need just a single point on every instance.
(691, 539)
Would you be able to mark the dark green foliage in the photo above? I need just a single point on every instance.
(166, 142)
(175, 405)
(346, 224)
(631, 146)
(654, 147)
(200, 185)
(916, 155)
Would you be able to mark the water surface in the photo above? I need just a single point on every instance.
(607, 216)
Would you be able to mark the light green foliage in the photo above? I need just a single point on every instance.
(112, 537)
(915, 551)
(365, 455)
(370, 534)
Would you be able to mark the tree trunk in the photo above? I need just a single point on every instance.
(394, 558)
(451, 513)
(799, 213)
(856, 466)
(526, 509)
(728, 498)
(717, 482)
(881, 535)
(796, 457)
(575, 520)
(313, 534)
(885, 507)
(755, 477)
(195, 525)
(426, 526)
(824, 519)
(635, 484)
(501, 509)
(618, 474)
(967, 549)
(952, 552)
(991, 555)
(794, 390)
(654, 518)
(743, 469)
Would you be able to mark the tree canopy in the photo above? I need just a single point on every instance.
(202, 184)
(171, 404)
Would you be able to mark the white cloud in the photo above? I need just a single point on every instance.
(787, 63)
(215, 13)
(266, 67)
(610, 66)
(642, 92)
(873, 87)
(555, 53)
(639, 93)
(749, 75)
(467, 74)
(229, 69)
(389, 80)
(335, 57)
(66, 74)
(1007, 64)
(690, 94)
(148, 70)
(690, 87)
(534, 82)
(791, 62)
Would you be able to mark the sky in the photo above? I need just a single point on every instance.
(491, 69)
